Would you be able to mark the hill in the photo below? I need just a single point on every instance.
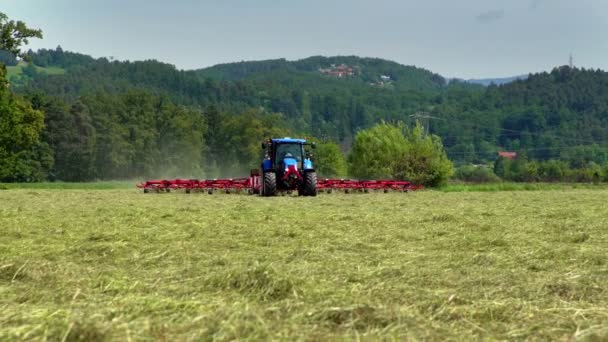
(134, 113)
(353, 69)
(562, 114)
(497, 81)
(307, 92)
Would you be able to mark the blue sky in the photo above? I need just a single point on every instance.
(464, 38)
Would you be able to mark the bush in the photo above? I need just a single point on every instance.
(552, 171)
(329, 160)
(521, 170)
(476, 174)
(376, 150)
(400, 152)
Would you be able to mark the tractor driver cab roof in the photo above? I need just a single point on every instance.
(288, 141)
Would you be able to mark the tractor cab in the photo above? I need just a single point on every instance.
(290, 154)
(288, 167)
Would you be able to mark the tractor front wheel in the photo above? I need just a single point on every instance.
(269, 187)
(310, 184)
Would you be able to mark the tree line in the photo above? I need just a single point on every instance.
(106, 119)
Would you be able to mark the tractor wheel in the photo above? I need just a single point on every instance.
(269, 188)
(310, 184)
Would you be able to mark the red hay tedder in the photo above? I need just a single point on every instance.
(286, 167)
(252, 185)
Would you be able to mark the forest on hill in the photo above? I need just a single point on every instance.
(107, 119)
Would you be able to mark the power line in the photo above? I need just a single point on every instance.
(522, 149)
(509, 132)
(514, 131)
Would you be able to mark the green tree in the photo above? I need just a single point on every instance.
(502, 168)
(329, 160)
(70, 136)
(20, 127)
(552, 170)
(181, 141)
(15, 34)
(7, 58)
(424, 160)
(376, 151)
(400, 152)
(20, 124)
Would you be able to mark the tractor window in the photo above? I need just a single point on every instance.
(294, 149)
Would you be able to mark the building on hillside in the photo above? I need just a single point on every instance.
(508, 155)
(341, 70)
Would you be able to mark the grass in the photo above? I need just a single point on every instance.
(102, 185)
(507, 186)
(17, 70)
(121, 265)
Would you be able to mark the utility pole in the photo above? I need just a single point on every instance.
(571, 62)
(424, 119)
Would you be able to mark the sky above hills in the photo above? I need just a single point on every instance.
(465, 38)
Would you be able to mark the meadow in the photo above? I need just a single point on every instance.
(109, 263)
(17, 70)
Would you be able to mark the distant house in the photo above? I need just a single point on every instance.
(508, 155)
(341, 70)
(385, 78)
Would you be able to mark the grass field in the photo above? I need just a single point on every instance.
(17, 70)
(120, 265)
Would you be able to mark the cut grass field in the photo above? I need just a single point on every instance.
(120, 265)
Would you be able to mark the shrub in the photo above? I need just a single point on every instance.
(329, 160)
(400, 152)
(476, 174)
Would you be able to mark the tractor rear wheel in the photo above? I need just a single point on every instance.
(310, 184)
(269, 187)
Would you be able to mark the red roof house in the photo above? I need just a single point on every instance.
(508, 155)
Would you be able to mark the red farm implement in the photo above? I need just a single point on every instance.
(348, 185)
(287, 166)
(252, 185)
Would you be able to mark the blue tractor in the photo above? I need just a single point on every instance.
(287, 167)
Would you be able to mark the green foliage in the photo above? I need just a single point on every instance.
(549, 116)
(22, 158)
(15, 34)
(376, 151)
(234, 147)
(20, 127)
(60, 58)
(138, 134)
(400, 152)
(476, 174)
(329, 161)
(8, 58)
(523, 170)
(424, 161)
